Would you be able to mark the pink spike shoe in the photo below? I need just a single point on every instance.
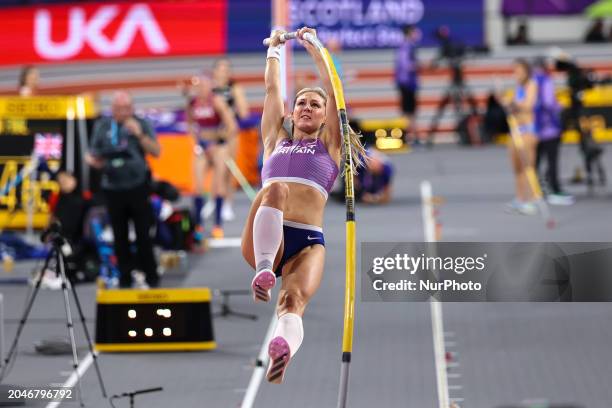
(279, 353)
(262, 284)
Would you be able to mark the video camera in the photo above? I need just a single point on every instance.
(452, 50)
(578, 78)
(455, 53)
(53, 235)
(52, 232)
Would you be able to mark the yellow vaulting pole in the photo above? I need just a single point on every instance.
(349, 193)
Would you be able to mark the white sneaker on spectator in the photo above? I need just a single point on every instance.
(138, 280)
(519, 207)
(560, 199)
(209, 209)
(227, 212)
(50, 280)
(513, 206)
(528, 208)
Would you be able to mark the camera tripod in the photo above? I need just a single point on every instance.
(226, 309)
(52, 235)
(132, 394)
(458, 94)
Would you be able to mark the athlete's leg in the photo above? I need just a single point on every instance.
(530, 143)
(247, 234)
(302, 276)
(200, 166)
(228, 212)
(264, 248)
(515, 161)
(219, 187)
(523, 158)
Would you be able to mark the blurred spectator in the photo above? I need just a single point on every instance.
(522, 35)
(119, 146)
(213, 125)
(521, 103)
(28, 81)
(595, 34)
(373, 184)
(495, 122)
(235, 97)
(227, 87)
(548, 131)
(580, 79)
(69, 208)
(406, 78)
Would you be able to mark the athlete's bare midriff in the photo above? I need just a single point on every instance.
(524, 118)
(210, 135)
(305, 205)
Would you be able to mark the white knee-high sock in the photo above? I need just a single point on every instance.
(267, 236)
(290, 328)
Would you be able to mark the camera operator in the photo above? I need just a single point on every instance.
(548, 131)
(119, 145)
(406, 79)
(579, 80)
(457, 92)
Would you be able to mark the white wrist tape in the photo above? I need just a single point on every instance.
(274, 52)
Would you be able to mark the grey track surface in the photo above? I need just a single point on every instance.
(506, 353)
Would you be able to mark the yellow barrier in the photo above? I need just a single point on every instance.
(600, 96)
(45, 107)
(21, 119)
(172, 319)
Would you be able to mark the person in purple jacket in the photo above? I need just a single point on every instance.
(548, 131)
(283, 235)
(406, 79)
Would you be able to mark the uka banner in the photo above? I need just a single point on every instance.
(112, 30)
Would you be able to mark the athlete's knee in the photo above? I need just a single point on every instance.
(247, 254)
(246, 247)
(276, 193)
(292, 300)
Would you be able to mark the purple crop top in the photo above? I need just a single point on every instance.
(304, 161)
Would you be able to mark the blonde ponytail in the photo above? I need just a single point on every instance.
(358, 152)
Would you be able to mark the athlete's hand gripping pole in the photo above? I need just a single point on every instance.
(283, 37)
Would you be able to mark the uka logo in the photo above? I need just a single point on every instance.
(82, 31)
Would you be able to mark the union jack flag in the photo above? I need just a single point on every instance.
(48, 145)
